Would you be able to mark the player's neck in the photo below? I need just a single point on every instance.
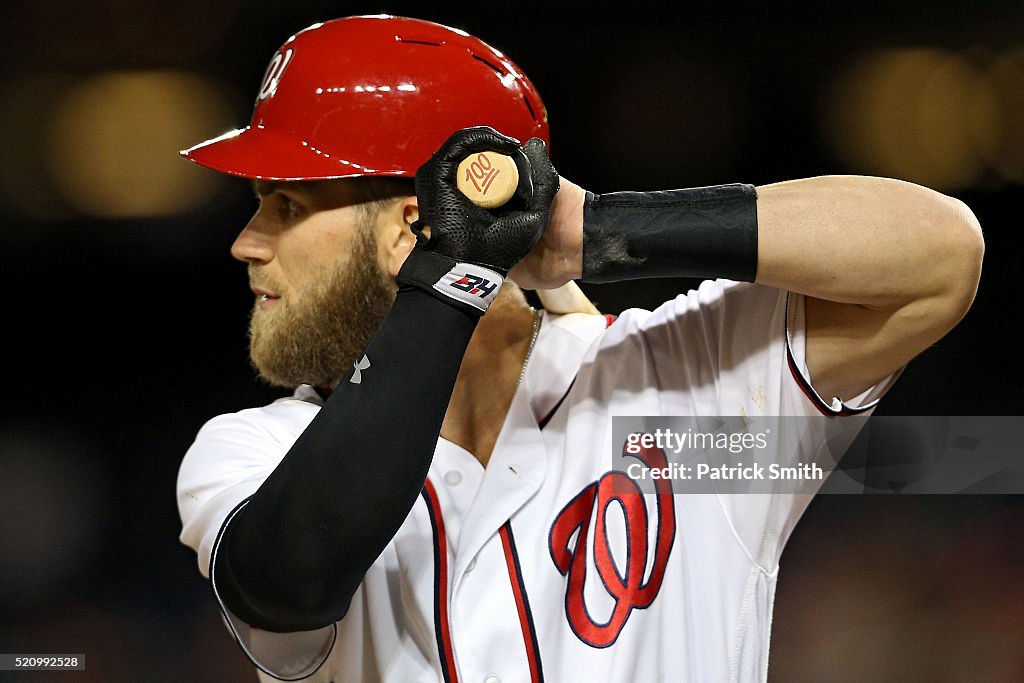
(489, 375)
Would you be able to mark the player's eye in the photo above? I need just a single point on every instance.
(287, 208)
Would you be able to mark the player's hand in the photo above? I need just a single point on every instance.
(557, 257)
(461, 230)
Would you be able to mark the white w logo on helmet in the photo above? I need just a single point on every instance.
(274, 73)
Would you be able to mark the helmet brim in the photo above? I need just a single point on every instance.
(258, 153)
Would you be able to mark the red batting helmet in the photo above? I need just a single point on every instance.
(373, 96)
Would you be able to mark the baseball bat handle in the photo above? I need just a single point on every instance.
(489, 179)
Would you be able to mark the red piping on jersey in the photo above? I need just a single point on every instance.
(823, 408)
(442, 630)
(515, 576)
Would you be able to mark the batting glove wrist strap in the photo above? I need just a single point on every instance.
(467, 286)
(703, 232)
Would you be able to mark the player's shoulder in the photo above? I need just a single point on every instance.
(709, 297)
(280, 420)
(579, 326)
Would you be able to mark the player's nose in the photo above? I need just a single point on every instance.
(253, 246)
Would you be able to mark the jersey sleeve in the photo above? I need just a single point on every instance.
(232, 455)
(739, 349)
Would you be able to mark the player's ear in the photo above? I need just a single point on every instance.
(396, 238)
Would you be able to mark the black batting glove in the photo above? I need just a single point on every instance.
(472, 249)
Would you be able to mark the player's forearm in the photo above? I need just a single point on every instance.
(294, 555)
(876, 242)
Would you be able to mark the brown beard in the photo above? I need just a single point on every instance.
(318, 339)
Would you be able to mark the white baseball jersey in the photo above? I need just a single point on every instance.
(534, 569)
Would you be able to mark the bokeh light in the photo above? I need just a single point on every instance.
(25, 184)
(114, 140)
(921, 114)
(1006, 76)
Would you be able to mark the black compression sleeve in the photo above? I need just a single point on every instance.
(705, 232)
(291, 559)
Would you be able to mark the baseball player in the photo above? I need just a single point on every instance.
(435, 501)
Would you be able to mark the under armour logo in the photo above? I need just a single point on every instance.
(274, 73)
(357, 376)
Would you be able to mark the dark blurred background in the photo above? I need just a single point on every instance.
(127, 317)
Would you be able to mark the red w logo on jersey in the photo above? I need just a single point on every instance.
(629, 590)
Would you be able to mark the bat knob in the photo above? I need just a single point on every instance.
(488, 179)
